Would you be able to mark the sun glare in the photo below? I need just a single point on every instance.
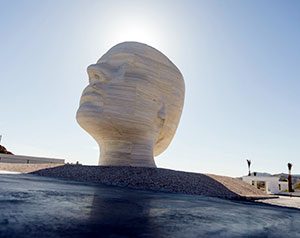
(132, 30)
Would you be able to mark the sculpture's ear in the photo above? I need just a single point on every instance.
(162, 112)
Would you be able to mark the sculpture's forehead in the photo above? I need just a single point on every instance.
(131, 48)
(135, 51)
(118, 56)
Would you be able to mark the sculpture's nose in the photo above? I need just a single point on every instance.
(97, 72)
(104, 72)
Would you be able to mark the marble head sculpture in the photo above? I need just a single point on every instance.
(132, 104)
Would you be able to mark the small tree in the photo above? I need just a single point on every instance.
(290, 177)
(297, 186)
(290, 167)
(249, 164)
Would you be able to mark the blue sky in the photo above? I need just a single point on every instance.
(240, 61)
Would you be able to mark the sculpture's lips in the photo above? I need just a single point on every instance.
(91, 98)
(87, 109)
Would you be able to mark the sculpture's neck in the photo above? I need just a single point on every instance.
(127, 153)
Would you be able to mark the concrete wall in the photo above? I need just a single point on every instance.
(273, 186)
(272, 183)
(20, 159)
(283, 185)
(25, 168)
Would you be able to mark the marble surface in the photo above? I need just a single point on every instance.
(32, 206)
(132, 104)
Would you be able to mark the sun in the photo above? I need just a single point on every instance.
(135, 30)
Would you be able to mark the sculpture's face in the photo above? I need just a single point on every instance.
(114, 100)
(129, 96)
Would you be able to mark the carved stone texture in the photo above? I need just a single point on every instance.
(132, 105)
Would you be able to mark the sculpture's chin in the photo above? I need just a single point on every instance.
(89, 121)
(89, 106)
(88, 116)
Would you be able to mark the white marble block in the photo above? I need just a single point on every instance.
(132, 104)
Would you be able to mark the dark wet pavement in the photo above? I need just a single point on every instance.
(32, 206)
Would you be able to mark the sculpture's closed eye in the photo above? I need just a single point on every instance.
(97, 77)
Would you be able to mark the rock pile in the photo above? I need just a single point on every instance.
(3, 150)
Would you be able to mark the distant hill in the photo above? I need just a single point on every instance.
(262, 174)
(295, 177)
(3, 150)
(286, 175)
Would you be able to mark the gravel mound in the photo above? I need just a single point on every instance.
(154, 179)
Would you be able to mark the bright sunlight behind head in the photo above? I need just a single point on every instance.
(135, 29)
(130, 23)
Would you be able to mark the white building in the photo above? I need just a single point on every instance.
(269, 184)
(21, 159)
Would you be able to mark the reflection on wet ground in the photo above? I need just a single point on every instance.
(32, 206)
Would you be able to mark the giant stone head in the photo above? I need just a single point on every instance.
(132, 104)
